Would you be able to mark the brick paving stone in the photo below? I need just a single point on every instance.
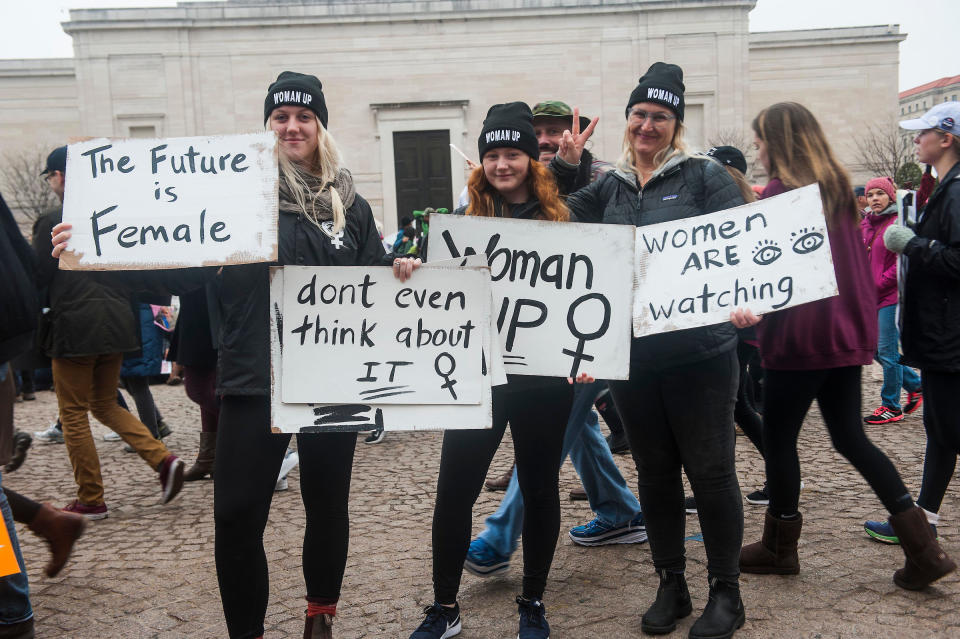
(148, 570)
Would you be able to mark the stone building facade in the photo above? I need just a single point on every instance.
(916, 101)
(404, 79)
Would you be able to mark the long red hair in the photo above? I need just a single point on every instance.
(542, 186)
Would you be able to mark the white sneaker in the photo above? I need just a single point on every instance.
(52, 435)
(281, 485)
(111, 437)
(290, 461)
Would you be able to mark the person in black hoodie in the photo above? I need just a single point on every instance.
(930, 312)
(677, 407)
(512, 183)
(322, 222)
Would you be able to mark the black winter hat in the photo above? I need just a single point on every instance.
(296, 89)
(729, 155)
(56, 161)
(510, 125)
(662, 84)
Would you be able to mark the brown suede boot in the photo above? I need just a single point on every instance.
(501, 482)
(776, 552)
(60, 530)
(203, 467)
(926, 560)
(318, 627)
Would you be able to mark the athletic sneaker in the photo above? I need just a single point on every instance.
(690, 505)
(913, 402)
(884, 415)
(281, 485)
(88, 511)
(484, 561)
(759, 497)
(163, 429)
(375, 437)
(171, 478)
(597, 533)
(111, 437)
(441, 623)
(290, 461)
(882, 531)
(52, 435)
(533, 619)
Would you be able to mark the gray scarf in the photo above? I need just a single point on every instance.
(319, 194)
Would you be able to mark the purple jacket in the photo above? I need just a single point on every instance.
(829, 333)
(883, 262)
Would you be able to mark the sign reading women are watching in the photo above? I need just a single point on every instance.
(765, 256)
(176, 202)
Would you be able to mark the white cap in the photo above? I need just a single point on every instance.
(945, 116)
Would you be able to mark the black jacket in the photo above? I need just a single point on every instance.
(86, 316)
(18, 295)
(685, 187)
(930, 304)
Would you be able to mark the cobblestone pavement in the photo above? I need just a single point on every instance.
(148, 570)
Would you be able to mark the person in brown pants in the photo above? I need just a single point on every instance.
(85, 332)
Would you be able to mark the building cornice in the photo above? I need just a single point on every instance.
(826, 37)
(37, 67)
(240, 13)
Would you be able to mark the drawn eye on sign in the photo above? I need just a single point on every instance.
(766, 252)
(807, 241)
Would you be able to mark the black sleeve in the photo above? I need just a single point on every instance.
(47, 264)
(586, 205)
(565, 175)
(941, 256)
(370, 250)
(720, 191)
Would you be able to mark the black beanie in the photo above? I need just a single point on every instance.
(510, 125)
(296, 89)
(661, 84)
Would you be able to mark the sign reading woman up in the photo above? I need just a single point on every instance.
(146, 204)
(764, 256)
(561, 291)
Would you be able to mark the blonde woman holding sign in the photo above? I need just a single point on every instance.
(816, 351)
(322, 222)
(677, 406)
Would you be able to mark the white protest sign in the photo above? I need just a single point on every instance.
(360, 334)
(562, 291)
(764, 256)
(362, 416)
(167, 203)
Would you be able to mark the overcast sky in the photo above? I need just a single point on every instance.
(31, 29)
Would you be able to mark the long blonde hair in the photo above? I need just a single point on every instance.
(325, 165)
(798, 154)
(627, 162)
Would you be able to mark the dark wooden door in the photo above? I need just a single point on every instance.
(421, 162)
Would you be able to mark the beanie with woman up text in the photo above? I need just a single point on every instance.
(510, 125)
(662, 84)
(296, 89)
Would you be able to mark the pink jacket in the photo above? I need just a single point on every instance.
(883, 263)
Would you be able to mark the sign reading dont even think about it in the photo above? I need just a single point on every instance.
(169, 203)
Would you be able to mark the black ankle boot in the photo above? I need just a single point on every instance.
(723, 615)
(673, 602)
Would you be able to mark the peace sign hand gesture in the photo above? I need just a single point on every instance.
(571, 146)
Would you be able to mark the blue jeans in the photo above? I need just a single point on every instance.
(895, 374)
(610, 497)
(14, 591)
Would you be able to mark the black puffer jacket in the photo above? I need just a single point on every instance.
(931, 298)
(18, 296)
(684, 187)
(87, 316)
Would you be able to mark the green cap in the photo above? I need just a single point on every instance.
(557, 109)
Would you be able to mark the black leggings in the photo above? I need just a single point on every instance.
(942, 423)
(682, 417)
(248, 462)
(139, 389)
(787, 398)
(538, 417)
(745, 413)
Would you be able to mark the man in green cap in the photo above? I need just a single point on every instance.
(550, 119)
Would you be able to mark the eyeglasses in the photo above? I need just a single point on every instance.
(658, 118)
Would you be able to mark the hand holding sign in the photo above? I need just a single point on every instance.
(403, 267)
(744, 318)
(571, 146)
(59, 237)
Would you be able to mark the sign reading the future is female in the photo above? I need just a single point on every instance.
(176, 202)
(763, 256)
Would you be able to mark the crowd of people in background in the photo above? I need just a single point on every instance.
(676, 413)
